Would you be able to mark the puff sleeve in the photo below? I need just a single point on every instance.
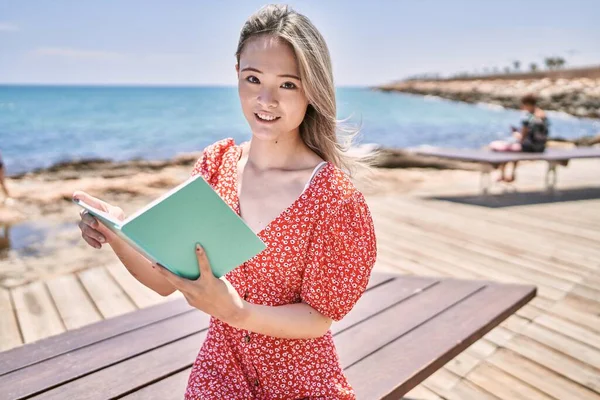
(209, 163)
(340, 258)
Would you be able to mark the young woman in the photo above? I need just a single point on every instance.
(269, 334)
(530, 138)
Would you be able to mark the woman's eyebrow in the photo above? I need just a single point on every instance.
(280, 76)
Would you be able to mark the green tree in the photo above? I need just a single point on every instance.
(550, 62)
(533, 67)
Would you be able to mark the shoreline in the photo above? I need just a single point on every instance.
(573, 92)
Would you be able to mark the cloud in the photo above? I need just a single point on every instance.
(78, 54)
(8, 27)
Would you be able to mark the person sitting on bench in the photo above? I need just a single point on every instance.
(531, 138)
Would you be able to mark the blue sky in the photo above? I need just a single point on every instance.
(182, 42)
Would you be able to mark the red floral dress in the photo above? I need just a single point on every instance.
(320, 250)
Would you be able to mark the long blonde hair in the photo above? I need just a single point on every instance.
(320, 129)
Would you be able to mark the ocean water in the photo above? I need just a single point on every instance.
(43, 125)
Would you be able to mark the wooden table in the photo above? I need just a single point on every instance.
(402, 330)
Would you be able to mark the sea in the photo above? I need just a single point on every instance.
(44, 125)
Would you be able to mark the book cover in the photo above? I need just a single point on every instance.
(167, 229)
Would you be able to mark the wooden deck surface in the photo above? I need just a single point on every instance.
(549, 350)
(403, 329)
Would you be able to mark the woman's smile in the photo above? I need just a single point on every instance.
(266, 118)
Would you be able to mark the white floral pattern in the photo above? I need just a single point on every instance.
(320, 250)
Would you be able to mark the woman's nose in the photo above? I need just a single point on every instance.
(267, 99)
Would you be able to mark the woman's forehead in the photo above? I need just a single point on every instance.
(269, 55)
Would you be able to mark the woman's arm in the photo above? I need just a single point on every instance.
(141, 268)
(290, 321)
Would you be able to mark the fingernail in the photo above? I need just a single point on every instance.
(198, 248)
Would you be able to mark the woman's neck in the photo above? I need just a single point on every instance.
(283, 153)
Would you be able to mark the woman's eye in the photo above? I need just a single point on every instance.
(289, 85)
(252, 79)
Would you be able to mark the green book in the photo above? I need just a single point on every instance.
(167, 229)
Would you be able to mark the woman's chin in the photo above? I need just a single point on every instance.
(266, 134)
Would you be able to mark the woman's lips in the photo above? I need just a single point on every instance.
(266, 118)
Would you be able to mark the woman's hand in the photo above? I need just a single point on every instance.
(216, 297)
(518, 135)
(92, 231)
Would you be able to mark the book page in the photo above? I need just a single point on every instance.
(100, 214)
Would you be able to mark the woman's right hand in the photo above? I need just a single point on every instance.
(92, 231)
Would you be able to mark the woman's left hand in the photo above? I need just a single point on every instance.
(216, 297)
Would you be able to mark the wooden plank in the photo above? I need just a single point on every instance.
(540, 377)
(586, 292)
(442, 381)
(70, 341)
(106, 294)
(469, 265)
(131, 374)
(582, 237)
(561, 343)
(50, 347)
(440, 336)
(383, 296)
(9, 329)
(500, 336)
(170, 388)
(73, 389)
(421, 393)
(73, 304)
(136, 291)
(462, 364)
(516, 264)
(356, 343)
(56, 371)
(35, 312)
(458, 390)
(569, 329)
(577, 311)
(556, 361)
(462, 246)
(482, 349)
(503, 385)
(508, 240)
(565, 215)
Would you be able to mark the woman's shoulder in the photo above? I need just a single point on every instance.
(219, 147)
(338, 185)
(212, 157)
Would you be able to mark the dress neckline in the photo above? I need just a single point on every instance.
(237, 154)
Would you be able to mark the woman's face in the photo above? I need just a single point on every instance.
(270, 90)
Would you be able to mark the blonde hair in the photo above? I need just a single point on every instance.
(319, 129)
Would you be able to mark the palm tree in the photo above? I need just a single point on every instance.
(533, 67)
(516, 64)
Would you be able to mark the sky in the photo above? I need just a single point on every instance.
(192, 42)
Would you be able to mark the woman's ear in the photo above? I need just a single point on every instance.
(237, 69)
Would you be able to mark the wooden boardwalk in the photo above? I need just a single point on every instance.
(550, 349)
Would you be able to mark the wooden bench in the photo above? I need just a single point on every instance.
(492, 159)
(402, 330)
